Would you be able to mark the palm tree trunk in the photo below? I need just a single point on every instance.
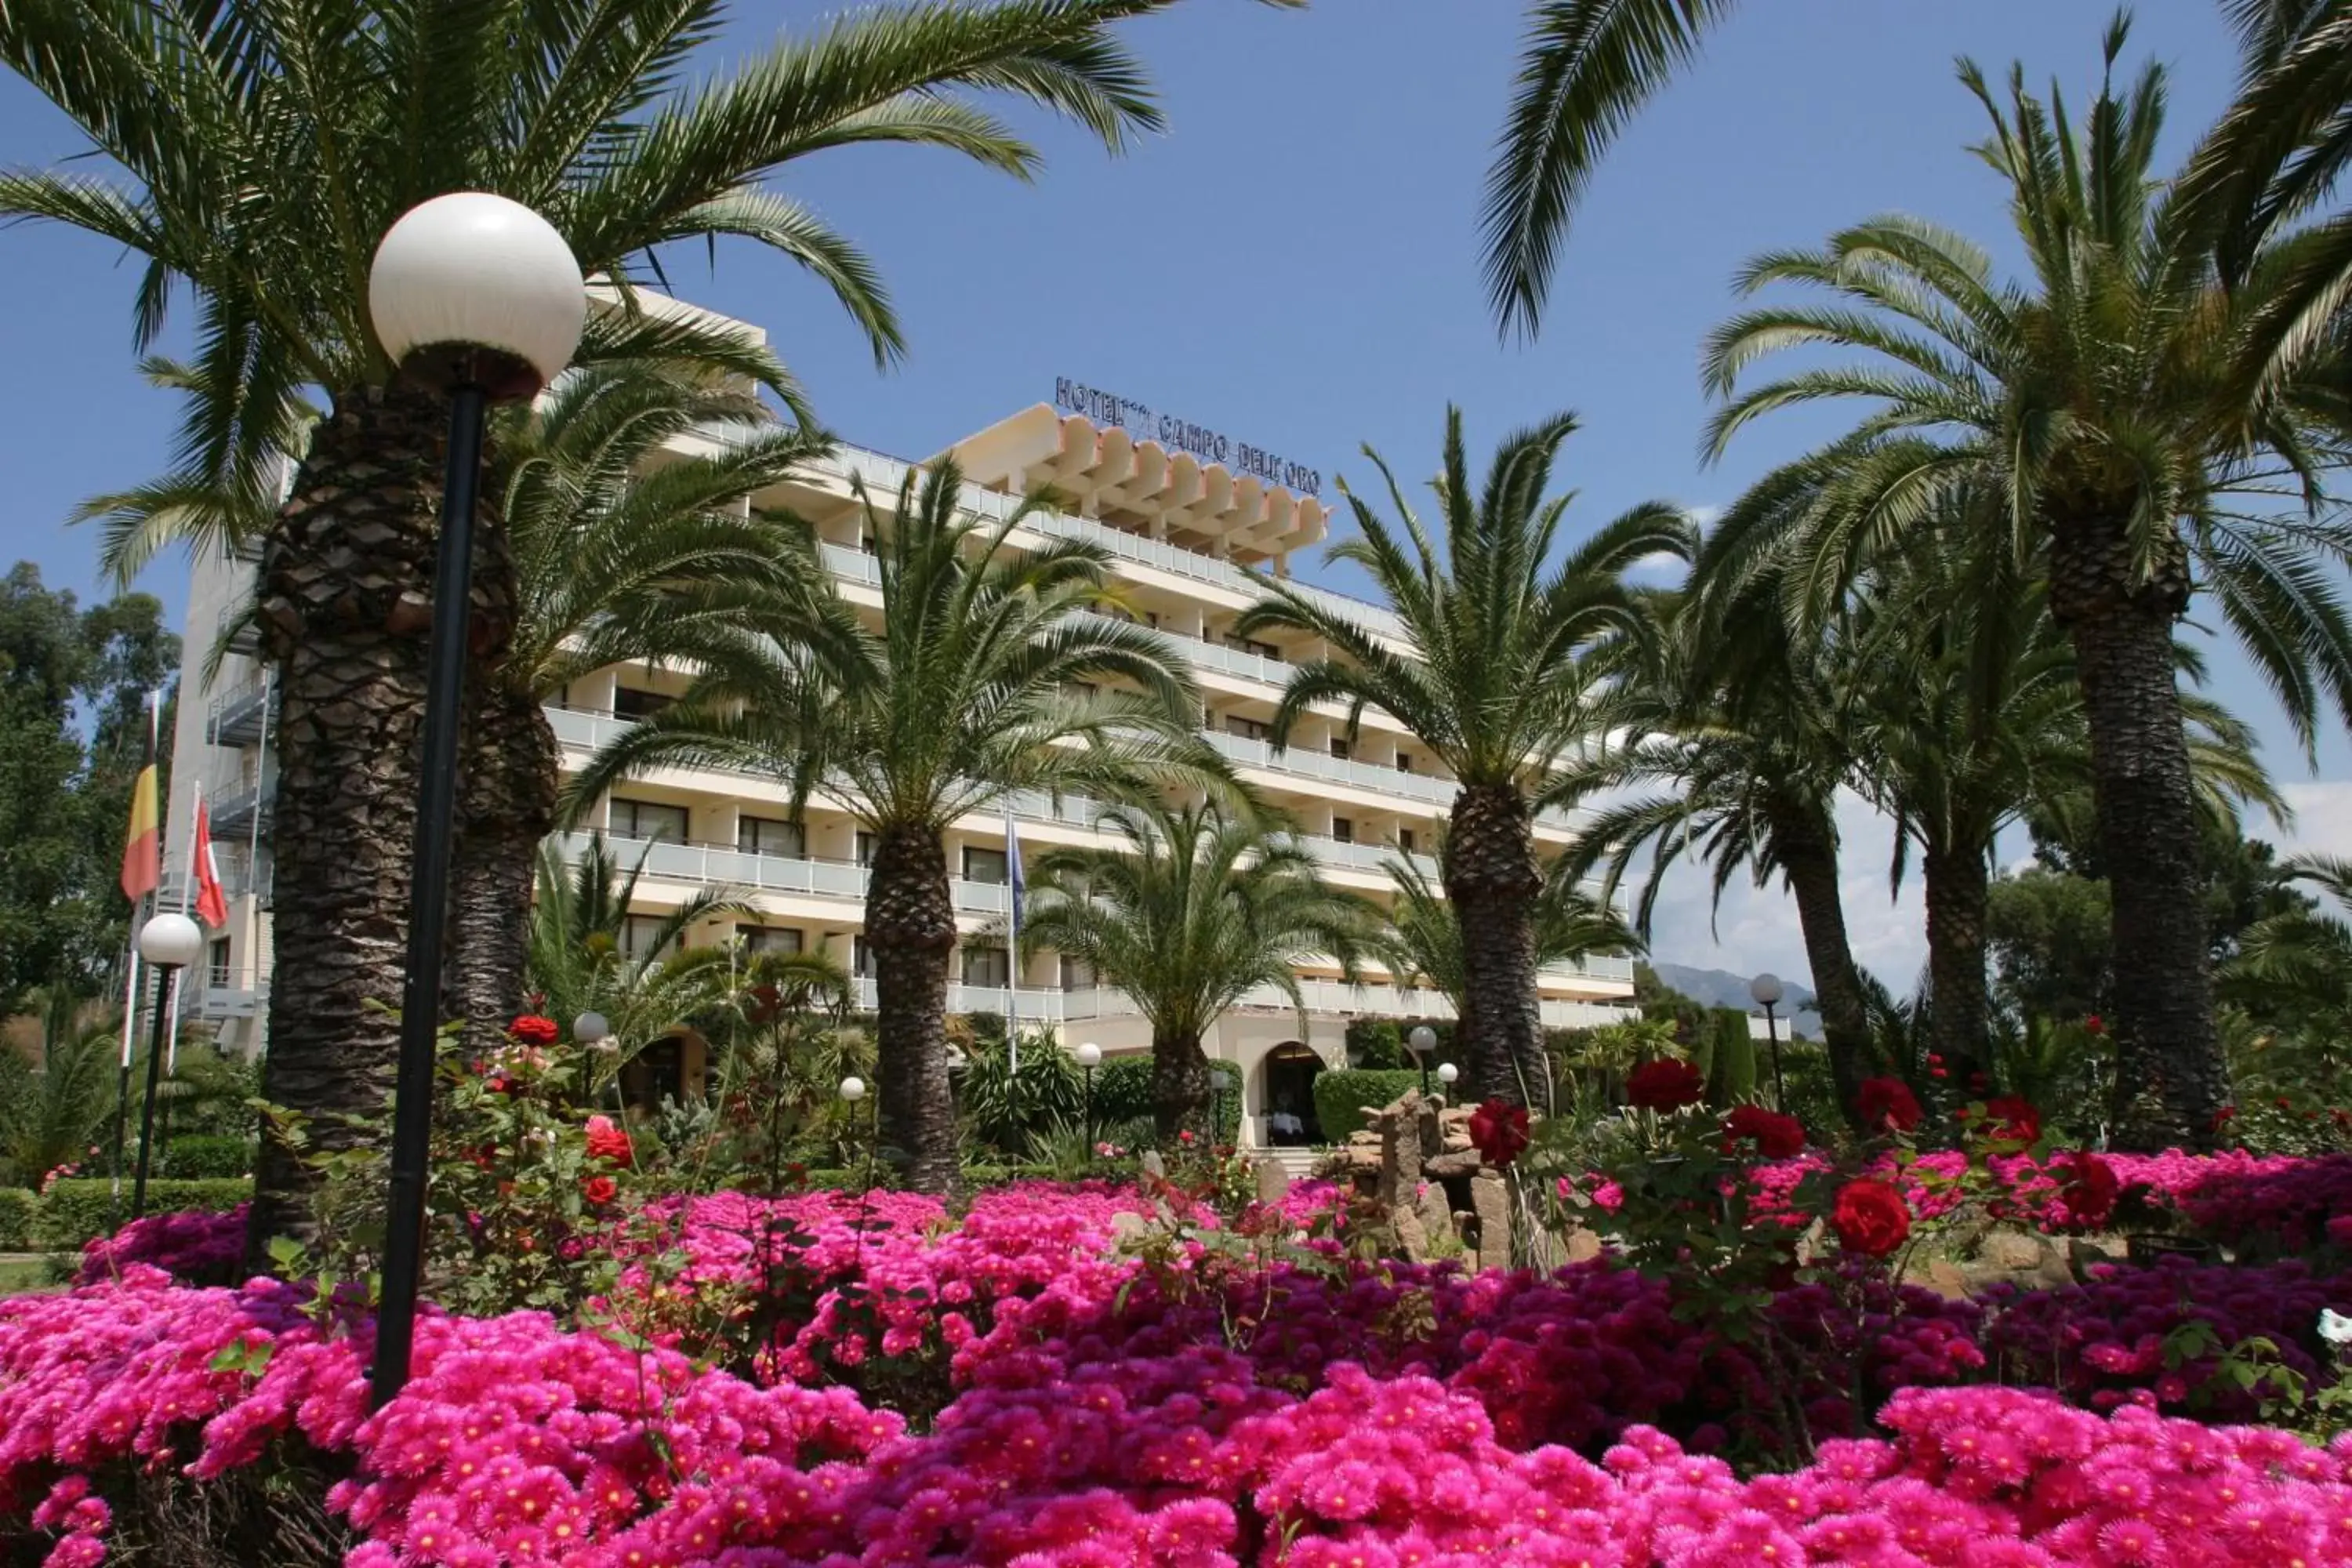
(342, 607)
(1492, 879)
(1805, 841)
(507, 798)
(1960, 1023)
(1182, 1095)
(910, 929)
(2171, 1079)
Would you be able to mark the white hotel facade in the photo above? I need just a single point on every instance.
(1180, 531)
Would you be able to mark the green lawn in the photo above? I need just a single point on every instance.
(23, 1276)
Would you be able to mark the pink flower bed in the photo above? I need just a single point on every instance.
(521, 1444)
(194, 1248)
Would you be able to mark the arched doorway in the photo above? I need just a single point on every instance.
(657, 1074)
(1290, 1071)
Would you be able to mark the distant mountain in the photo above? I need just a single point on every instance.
(1722, 988)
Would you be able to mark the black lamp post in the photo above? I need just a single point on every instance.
(1766, 989)
(1422, 1042)
(478, 296)
(1089, 1058)
(169, 942)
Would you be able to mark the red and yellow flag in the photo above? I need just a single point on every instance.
(142, 850)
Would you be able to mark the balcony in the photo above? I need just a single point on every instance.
(716, 865)
(233, 811)
(239, 717)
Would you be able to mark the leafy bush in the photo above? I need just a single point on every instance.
(1123, 1099)
(1011, 1111)
(208, 1157)
(80, 1208)
(19, 1211)
(1341, 1097)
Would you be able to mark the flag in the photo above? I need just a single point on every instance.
(143, 848)
(204, 871)
(1013, 874)
(1016, 888)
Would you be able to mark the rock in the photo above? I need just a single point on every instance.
(1946, 1279)
(1411, 1236)
(1427, 1126)
(1455, 1142)
(1436, 1218)
(1152, 1165)
(1454, 1163)
(1583, 1245)
(1396, 1182)
(2052, 1270)
(1273, 1181)
(1490, 1200)
(1127, 1226)
(2011, 1251)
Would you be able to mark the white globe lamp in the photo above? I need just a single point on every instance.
(472, 290)
(171, 941)
(853, 1089)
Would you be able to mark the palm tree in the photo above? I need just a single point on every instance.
(2301, 958)
(1964, 716)
(1197, 909)
(618, 560)
(259, 152)
(980, 683)
(582, 957)
(1421, 940)
(1739, 723)
(2096, 408)
(1495, 673)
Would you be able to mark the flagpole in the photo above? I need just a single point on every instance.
(140, 910)
(187, 894)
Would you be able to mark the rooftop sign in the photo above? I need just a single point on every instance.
(1181, 435)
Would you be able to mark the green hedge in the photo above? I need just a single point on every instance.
(1341, 1097)
(19, 1208)
(1123, 1094)
(77, 1210)
(204, 1158)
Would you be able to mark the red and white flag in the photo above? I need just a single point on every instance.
(212, 904)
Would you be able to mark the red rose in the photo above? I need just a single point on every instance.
(1776, 1137)
(1185, 1136)
(599, 1189)
(2090, 1192)
(606, 1141)
(2094, 1025)
(1870, 1218)
(2011, 1119)
(530, 1029)
(1888, 1104)
(1498, 1130)
(1665, 1085)
(2222, 1118)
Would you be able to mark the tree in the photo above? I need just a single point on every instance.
(2098, 407)
(1421, 940)
(2298, 962)
(1740, 721)
(259, 153)
(981, 681)
(1195, 911)
(617, 560)
(581, 958)
(1498, 676)
(2047, 933)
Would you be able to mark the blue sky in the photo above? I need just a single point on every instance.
(1294, 262)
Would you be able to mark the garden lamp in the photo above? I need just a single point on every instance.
(593, 1029)
(1766, 989)
(168, 943)
(1089, 1058)
(1422, 1042)
(477, 297)
(1446, 1073)
(853, 1089)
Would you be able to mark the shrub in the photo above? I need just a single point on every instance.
(1732, 1075)
(1342, 1097)
(209, 1158)
(79, 1209)
(1123, 1098)
(19, 1212)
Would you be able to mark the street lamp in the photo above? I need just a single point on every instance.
(1766, 989)
(478, 296)
(1446, 1073)
(1089, 1058)
(169, 942)
(1423, 1044)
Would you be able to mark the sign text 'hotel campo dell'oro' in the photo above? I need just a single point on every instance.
(1181, 435)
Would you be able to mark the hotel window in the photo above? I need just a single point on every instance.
(770, 938)
(1078, 974)
(1341, 748)
(1405, 761)
(1343, 829)
(641, 938)
(1248, 729)
(218, 972)
(629, 702)
(647, 819)
(864, 848)
(986, 966)
(770, 836)
(1251, 645)
(861, 957)
(1405, 840)
(983, 866)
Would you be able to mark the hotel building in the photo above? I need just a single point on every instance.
(1179, 530)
